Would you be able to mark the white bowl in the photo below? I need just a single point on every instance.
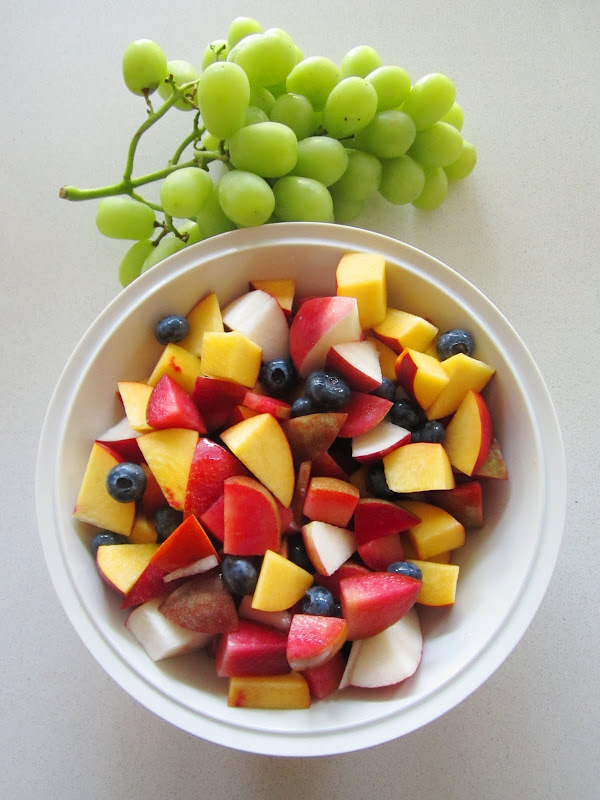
(505, 567)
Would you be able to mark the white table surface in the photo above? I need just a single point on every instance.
(524, 228)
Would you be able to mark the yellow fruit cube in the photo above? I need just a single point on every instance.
(418, 467)
(135, 398)
(281, 583)
(362, 275)
(421, 376)
(143, 531)
(169, 455)
(410, 553)
(269, 691)
(179, 364)
(94, 504)
(122, 564)
(465, 374)
(439, 583)
(438, 531)
(399, 330)
(204, 316)
(231, 356)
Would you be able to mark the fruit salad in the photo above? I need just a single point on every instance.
(289, 486)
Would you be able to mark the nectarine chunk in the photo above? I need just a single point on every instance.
(281, 583)
(439, 583)
(231, 356)
(437, 532)
(362, 275)
(270, 691)
(418, 467)
(205, 316)
(464, 373)
(179, 364)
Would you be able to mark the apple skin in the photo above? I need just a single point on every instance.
(213, 518)
(170, 406)
(252, 649)
(375, 518)
(121, 438)
(379, 553)
(215, 399)
(348, 569)
(252, 523)
(364, 412)
(313, 640)
(379, 442)
(325, 679)
(211, 465)
(331, 500)
(464, 502)
(327, 546)
(357, 363)
(371, 603)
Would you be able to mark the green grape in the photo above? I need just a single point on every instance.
(133, 260)
(299, 54)
(281, 33)
(322, 158)
(300, 199)
(266, 58)
(429, 99)
(144, 66)
(402, 180)
(211, 218)
(388, 135)
(349, 108)
(261, 98)
(314, 78)
(434, 191)
(254, 115)
(183, 192)
(360, 61)
(209, 142)
(165, 248)
(219, 46)
(392, 85)
(362, 177)
(296, 112)
(437, 146)
(346, 210)
(277, 90)
(122, 217)
(454, 117)
(268, 149)
(183, 72)
(463, 165)
(223, 95)
(193, 231)
(246, 199)
(240, 28)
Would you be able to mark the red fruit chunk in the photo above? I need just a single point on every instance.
(122, 439)
(371, 603)
(202, 604)
(286, 516)
(364, 411)
(170, 406)
(312, 434)
(264, 404)
(331, 500)
(252, 524)
(464, 502)
(252, 649)
(325, 679)
(214, 518)
(211, 465)
(297, 505)
(153, 498)
(349, 569)
(380, 553)
(325, 466)
(375, 518)
(215, 399)
(313, 640)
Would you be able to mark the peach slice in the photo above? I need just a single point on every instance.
(271, 691)
(169, 455)
(400, 330)
(357, 363)
(465, 373)
(205, 316)
(120, 565)
(143, 530)
(362, 275)
(94, 504)
(437, 532)
(439, 583)
(331, 500)
(418, 467)
(231, 357)
(469, 434)
(313, 640)
(135, 396)
(179, 364)
(281, 583)
(421, 376)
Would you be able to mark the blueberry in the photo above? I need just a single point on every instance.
(377, 484)
(454, 342)
(432, 431)
(318, 600)
(406, 414)
(278, 376)
(405, 568)
(166, 520)
(126, 482)
(327, 390)
(386, 389)
(240, 575)
(106, 537)
(171, 329)
(297, 553)
(301, 407)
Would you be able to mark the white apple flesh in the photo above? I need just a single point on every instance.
(379, 441)
(327, 546)
(260, 317)
(160, 637)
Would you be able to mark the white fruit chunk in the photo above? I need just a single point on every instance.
(327, 546)
(260, 317)
(119, 433)
(160, 637)
(202, 565)
(379, 441)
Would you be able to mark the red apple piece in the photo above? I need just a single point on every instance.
(259, 316)
(252, 649)
(357, 363)
(170, 406)
(252, 523)
(379, 441)
(364, 411)
(348, 569)
(327, 546)
(375, 518)
(325, 679)
(121, 438)
(313, 640)
(371, 603)
(211, 465)
(331, 500)
(378, 554)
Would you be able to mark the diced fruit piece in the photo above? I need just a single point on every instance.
(387, 358)
(231, 357)
(211, 465)
(325, 679)
(357, 363)
(252, 649)
(143, 530)
(240, 574)
(135, 398)
(494, 465)
(399, 330)
(421, 376)
(252, 524)
(453, 342)
(418, 467)
(204, 316)
(275, 691)
(326, 390)
(280, 620)
(263, 404)
(261, 445)
(465, 374)
(239, 414)
(313, 640)
(464, 502)
(123, 440)
(278, 376)
(375, 518)
(169, 455)
(320, 323)
(437, 531)
(213, 518)
(378, 554)
(195, 568)
(170, 406)
(379, 441)
(331, 500)
(325, 466)
(389, 657)
(469, 434)
(371, 603)
(259, 316)
(94, 504)
(202, 604)
(328, 546)
(280, 583)
(348, 569)
(126, 482)
(362, 275)
(286, 516)
(216, 399)
(179, 364)
(439, 583)
(311, 435)
(172, 328)
(282, 289)
(120, 565)
(160, 637)
(300, 489)
(364, 411)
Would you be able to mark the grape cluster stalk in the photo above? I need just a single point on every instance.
(301, 139)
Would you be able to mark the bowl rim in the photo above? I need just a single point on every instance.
(459, 686)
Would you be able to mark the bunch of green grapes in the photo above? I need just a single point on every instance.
(302, 139)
